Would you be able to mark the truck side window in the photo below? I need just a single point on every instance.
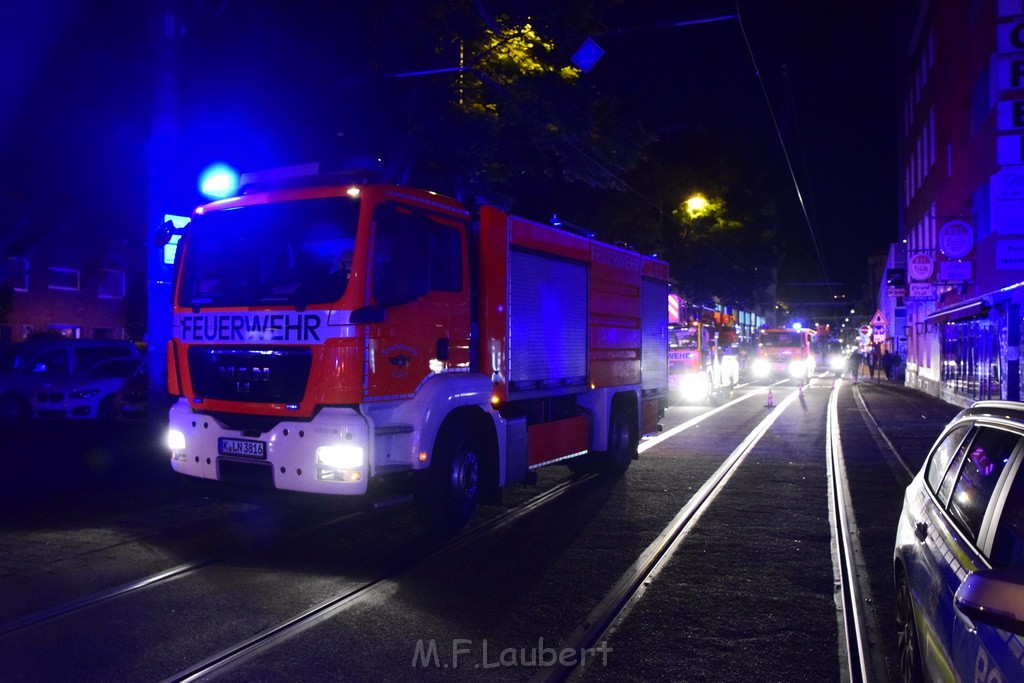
(414, 254)
(445, 258)
(401, 264)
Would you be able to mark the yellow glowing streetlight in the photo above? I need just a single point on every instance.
(696, 206)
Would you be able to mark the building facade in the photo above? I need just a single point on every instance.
(67, 284)
(962, 197)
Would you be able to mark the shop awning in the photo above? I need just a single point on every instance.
(959, 311)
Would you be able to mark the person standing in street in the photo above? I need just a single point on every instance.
(854, 363)
(874, 358)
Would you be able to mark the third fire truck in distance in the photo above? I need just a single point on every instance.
(783, 352)
(337, 337)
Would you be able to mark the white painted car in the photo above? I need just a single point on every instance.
(89, 394)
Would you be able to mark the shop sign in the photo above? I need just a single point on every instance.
(921, 291)
(1009, 183)
(956, 239)
(1010, 255)
(956, 271)
(920, 267)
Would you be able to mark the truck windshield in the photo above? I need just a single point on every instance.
(683, 339)
(781, 339)
(293, 253)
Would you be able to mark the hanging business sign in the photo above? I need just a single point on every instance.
(956, 271)
(920, 267)
(956, 239)
(922, 291)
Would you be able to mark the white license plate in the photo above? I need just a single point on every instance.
(242, 447)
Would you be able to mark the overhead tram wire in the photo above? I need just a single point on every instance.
(775, 124)
(785, 150)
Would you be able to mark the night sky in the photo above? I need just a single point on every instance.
(75, 119)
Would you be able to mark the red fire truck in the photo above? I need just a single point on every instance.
(341, 338)
(701, 360)
(784, 352)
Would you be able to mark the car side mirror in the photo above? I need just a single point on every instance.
(994, 597)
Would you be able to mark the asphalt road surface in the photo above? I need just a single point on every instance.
(114, 568)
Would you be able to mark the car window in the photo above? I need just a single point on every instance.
(951, 474)
(985, 460)
(52, 362)
(1008, 546)
(942, 455)
(90, 356)
(116, 367)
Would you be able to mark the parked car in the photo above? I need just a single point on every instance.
(88, 394)
(28, 365)
(959, 554)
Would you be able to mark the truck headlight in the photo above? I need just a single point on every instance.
(340, 462)
(692, 387)
(762, 368)
(176, 443)
(798, 368)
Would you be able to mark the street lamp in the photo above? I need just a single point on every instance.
(696, 205)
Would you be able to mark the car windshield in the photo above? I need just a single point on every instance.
(296, 253)
(115, 367)
(14, 358)
(781, 339)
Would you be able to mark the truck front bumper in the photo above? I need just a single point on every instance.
(327, 455)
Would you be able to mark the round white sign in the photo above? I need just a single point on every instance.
(920, 267)
(956, 239)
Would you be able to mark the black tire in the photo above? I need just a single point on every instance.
(908, 645)
(622, 441)
(449, 489)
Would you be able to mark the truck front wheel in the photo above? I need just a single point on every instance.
(450, 488)
(622, 441)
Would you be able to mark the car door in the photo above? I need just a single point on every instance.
(956, 525)
(983, 652)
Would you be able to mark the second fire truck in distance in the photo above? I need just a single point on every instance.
(701, 361)
(783, 352)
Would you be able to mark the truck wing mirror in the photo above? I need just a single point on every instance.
(165, 232)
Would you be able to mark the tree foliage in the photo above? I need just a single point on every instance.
(495, 100)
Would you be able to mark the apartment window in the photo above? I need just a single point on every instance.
(64, 278)
(16, 273)
(111, 284)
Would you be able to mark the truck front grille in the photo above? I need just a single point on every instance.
(259, 375)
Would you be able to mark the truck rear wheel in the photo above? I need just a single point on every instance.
(450, 488)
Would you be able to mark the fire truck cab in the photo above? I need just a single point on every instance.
(783, 352)
(700, 362)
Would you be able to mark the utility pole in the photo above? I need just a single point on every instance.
(163, 164)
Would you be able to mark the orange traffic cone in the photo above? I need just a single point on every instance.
(770, 403)
(801, 388)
